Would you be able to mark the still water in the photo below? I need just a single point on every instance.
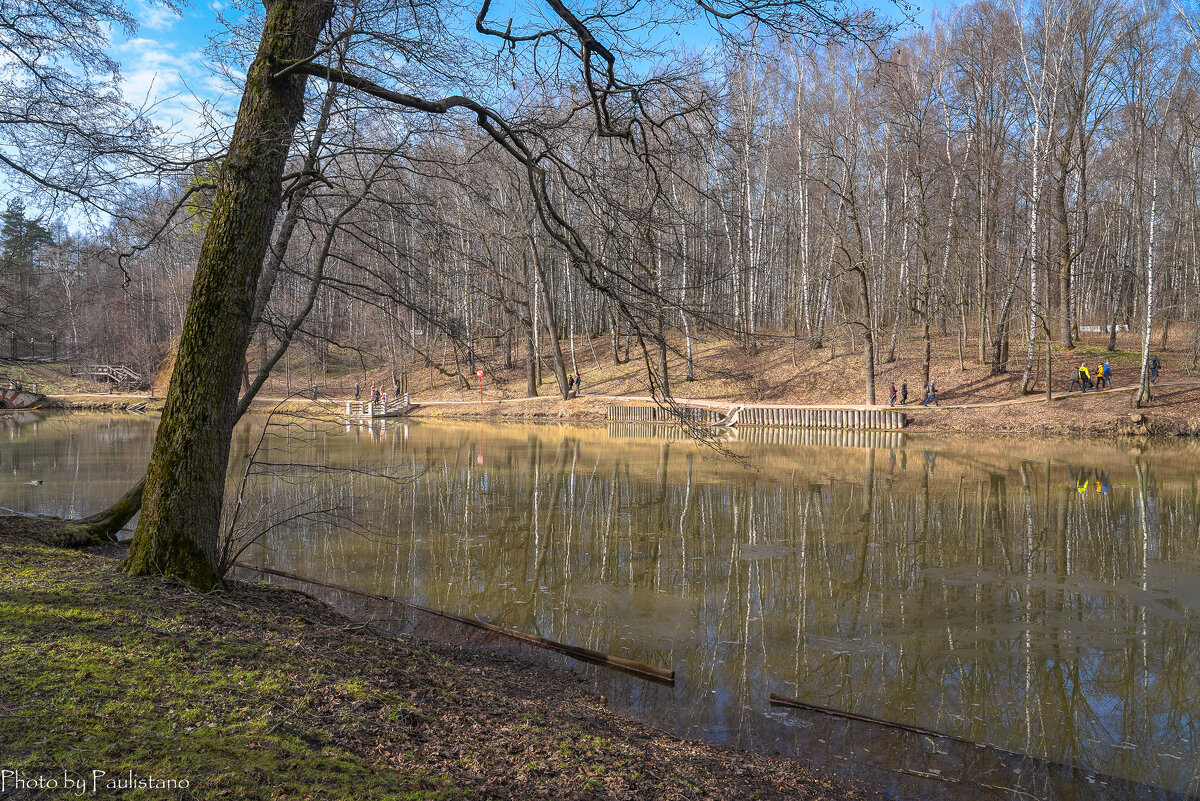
(1042, 596)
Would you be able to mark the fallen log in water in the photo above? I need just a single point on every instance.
(1103, 783)
(638, 669)
(779, 700)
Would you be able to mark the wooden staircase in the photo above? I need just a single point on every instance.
(117, 374)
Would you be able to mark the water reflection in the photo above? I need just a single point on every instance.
(70, 464)
(1086, 479)
(964, 586)
(970, 589)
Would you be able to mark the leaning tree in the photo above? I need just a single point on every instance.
(602, 65)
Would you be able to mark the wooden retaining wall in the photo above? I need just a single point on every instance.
(768, 417)
(814, 437)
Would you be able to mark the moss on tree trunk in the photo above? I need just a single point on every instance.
(177, 534)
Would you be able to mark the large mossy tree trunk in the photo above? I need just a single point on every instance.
(177, 534)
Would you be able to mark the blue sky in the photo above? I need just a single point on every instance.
(164, 62)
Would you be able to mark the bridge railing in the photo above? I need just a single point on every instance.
(377, 408)
(766, 416)
(17, 384)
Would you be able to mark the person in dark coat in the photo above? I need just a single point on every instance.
(892, 395)
(904, 394)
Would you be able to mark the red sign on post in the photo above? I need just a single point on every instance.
(479, 373)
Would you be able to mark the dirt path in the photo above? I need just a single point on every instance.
(723, 404)
(1106, 412)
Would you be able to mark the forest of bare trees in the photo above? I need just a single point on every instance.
(1005, 177)
(402, 187)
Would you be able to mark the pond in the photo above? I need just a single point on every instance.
(1041, 596)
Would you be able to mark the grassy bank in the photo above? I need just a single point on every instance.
(265, 693)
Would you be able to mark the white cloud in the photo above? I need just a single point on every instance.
(142, 53)
(171, 81)
(155, 17)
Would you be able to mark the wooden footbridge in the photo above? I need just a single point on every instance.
(375, 410)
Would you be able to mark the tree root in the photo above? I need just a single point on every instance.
(99, 529)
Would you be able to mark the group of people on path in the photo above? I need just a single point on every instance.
(1083, 379)
(930, 394)
(378, 394)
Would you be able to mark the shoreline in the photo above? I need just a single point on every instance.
(1096, 414)
(264, 692)
(1182, 451)
(296, 691)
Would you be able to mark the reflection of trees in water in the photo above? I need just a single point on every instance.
(84, 461)
(986, 599)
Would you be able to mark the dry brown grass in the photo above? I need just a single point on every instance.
(784, 371)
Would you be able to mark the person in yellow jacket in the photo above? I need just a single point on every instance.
(1100, 379)
(1082, 377)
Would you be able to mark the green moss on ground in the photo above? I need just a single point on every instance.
(117, 675)
(265, 693)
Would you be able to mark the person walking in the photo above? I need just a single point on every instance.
(1107, 374)
(931, 395)
(1083, 377)
(1155, 366)
(357, 390)
(904, 393)
(374, 394)
(578, 385)
(570, 384)
(892, 394)
(1099, 376)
